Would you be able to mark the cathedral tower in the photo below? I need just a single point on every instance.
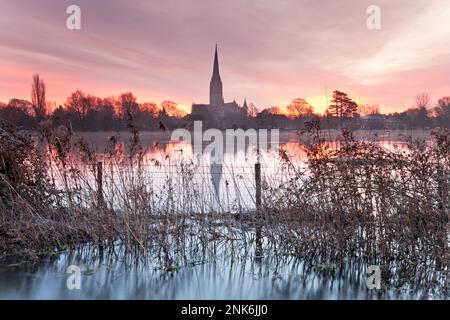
(215, 86)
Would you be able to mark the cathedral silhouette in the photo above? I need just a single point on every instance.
(217, 109)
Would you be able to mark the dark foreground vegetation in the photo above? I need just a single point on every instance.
(354, 199)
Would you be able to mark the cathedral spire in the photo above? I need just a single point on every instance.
(215, 86)
(216, 72)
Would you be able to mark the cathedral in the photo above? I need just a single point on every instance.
(217, 109)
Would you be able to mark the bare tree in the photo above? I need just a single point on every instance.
(38, 98)
(423, 100)
(252, 110)
(128, 105)
(299, 108)
(442, 111)
(79, 104)
(172, 109)
(368, 110)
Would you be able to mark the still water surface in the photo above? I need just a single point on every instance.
(221, 278)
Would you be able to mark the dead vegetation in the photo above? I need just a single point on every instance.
(354, 199)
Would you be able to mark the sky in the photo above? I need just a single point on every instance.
(270, 51)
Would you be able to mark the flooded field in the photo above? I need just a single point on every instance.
(207, 240)
(228, 185)
(222, 277)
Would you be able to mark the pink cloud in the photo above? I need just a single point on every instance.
(270, 51)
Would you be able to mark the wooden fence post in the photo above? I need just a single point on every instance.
(258, 185)
(100, 200)
(258, 224)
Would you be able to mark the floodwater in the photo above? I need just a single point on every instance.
(221, 277)
(227, 182)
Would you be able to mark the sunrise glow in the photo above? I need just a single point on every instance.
(389, 67)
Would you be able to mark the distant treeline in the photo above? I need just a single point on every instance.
(84, 112)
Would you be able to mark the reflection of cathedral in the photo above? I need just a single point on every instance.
(217, 109)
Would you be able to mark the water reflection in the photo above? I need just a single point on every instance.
(112, 278)
(216, 177)
(229, 184)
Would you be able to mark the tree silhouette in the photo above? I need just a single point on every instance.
(423, 100)
(38, 98)
(171, 108)
(128, 105)
(442, 111)
(78, 104)
(368, 110)
(252, 110)
(299, 108)
(342, 106)
(18, 112)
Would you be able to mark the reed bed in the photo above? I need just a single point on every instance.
(353, 199)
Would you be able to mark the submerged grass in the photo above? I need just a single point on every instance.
(353, 199)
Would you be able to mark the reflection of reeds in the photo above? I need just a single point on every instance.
(354, 199)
